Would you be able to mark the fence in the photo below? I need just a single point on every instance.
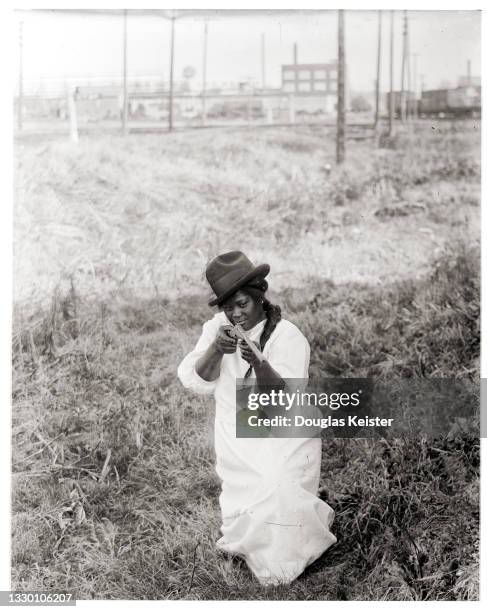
(150, 110)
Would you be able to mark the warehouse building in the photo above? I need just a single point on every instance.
(315, 86)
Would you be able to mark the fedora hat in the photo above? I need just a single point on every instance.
(229, 272)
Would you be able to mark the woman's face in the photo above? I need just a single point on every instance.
(244, 309)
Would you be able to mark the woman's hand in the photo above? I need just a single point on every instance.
(264, 373)
(247, 354)
(224, 343)
(208, 365)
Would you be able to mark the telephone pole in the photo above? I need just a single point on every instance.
(205, 52)
(21, 77)
(409, 111)
(391, 84)
(171, 74)
(415, 85)
(340, 143)
(262, 60)
(125, 97)
(377, 81)
(403, 66)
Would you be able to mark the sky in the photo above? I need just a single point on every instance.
(57, 45)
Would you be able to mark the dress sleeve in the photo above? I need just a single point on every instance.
(186, 370)
(289, 354)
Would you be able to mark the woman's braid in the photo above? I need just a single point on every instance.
(272, 312)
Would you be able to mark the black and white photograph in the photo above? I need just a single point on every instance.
(272, 201)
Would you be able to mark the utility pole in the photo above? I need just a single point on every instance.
(408, 62)
(415, 85)
(249, 107)
(21, 77)
(203, 93)
(171, 74)
(340, 142)
(377, 81)
(391, 84)
(262, 59)
(125, 97)
(403, 66)
(73, 119)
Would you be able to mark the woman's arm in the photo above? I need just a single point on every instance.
(187, 373)
(264, 372)
(208, 365)
(289, 357)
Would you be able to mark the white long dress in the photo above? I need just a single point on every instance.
(271, 515)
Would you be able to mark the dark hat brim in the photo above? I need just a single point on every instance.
(262, 271)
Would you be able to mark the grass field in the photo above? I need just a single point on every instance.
(114, 493)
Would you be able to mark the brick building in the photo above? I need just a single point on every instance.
(315, 85)
(310, 78)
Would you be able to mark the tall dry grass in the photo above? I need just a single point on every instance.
(144, 214)
(114, 492)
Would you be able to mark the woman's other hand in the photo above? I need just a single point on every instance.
(247, 354)
(225, 343)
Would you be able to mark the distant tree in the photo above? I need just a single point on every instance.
(189, 73)
(359, 104)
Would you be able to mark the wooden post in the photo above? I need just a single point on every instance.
(250, 103)
(403, 65)
(391, 84)
(292, 109)
(340, 139)
(409, 102)
(415, 85)
(422, 86)
(125, 96)
(73, 121)
(203, 92)
(262, 60)
(269, 115)
(296, 82)
(171, 75)
(377, 82)
(21, 78)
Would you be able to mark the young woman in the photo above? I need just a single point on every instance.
(271, 515)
